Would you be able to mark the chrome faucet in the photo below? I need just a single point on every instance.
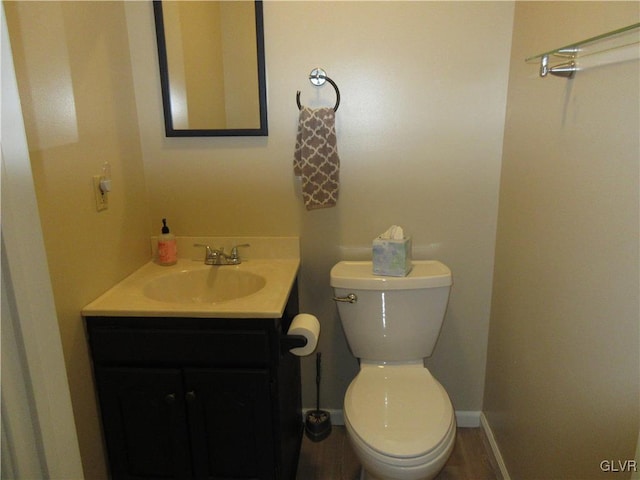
(218, 257)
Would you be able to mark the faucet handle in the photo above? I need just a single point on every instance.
(210, 255)
(234, 252)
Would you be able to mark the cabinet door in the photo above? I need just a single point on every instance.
(144, 421)
(230, 415)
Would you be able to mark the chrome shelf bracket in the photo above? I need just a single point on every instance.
(566, 70)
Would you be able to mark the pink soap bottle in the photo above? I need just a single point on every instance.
(167, 248)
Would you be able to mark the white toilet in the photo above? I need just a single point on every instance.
(399, 418)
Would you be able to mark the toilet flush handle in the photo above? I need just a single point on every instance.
(351, 298)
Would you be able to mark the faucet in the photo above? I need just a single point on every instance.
(218, 257)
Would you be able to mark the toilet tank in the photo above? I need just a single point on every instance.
(394, 318)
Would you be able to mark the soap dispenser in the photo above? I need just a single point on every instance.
(167, 248)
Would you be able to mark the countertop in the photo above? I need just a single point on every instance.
(127, 298)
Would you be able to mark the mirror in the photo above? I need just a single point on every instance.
(212, 73)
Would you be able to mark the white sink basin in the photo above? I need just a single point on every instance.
(210, 285)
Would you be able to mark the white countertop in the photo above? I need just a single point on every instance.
(127, 298)
(276, 259)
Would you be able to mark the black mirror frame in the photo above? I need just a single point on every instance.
(164, 82)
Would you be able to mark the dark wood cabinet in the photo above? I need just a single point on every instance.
(198, 398)
(144, 422)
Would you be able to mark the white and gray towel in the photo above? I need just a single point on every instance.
(316, 158)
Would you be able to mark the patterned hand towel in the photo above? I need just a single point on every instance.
(316, 157)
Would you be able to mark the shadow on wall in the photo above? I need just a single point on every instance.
(339, 367)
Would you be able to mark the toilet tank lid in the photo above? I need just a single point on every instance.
(359, 275)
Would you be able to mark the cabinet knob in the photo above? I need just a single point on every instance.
(191, 396)
(170, 398)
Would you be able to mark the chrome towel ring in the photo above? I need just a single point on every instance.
(318, 77)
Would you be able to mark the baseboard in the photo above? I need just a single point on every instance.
(494, 447)
(464, 419)
(467, 419)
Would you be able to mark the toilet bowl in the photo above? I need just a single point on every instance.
(399, 418)
(400, 422)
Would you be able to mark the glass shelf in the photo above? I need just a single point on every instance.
(611, 47)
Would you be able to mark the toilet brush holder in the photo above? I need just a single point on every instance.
(317, 424)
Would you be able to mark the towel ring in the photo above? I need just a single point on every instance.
(318, 77)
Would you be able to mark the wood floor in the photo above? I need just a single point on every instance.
(333, 458)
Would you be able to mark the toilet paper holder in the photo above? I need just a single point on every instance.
(287, 342)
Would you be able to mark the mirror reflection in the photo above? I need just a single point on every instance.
(211, 57)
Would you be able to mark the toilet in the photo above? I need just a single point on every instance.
(399, 418)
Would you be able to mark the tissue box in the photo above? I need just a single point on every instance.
(392, 257)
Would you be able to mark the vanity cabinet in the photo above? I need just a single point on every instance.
(198, 398)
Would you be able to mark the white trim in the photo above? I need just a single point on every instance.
(34, 312)
(21, 448)
(464, 419)
(468, 419)
(484, 423)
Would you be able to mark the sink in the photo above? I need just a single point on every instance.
(257, 288)
(204, 286)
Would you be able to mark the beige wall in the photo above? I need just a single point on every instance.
(420, 135)
(563, 365)
(74, 76)
(420, 131)
(420, 127)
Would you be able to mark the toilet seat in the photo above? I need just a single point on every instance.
(399, 411)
